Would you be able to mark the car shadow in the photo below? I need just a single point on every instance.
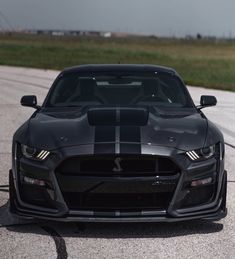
(108, 230)
(140, 230)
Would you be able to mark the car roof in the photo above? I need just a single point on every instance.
(118, 68)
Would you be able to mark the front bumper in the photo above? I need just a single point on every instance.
(176, 210)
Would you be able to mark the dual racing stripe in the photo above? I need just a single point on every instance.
(117, 139)
(118, 131)
(103, 136)
(131, 137)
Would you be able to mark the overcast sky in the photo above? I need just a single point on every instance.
(159, 17)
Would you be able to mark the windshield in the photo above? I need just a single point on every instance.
(158, 90)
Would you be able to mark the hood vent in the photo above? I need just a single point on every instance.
(118, 116)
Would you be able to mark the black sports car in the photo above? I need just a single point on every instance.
(118, 143)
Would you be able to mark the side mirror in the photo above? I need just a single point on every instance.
(207, 100)
(29, 101)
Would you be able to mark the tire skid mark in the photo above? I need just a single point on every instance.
(26, 83)
(59, 242)
(4, 188)
(61, 249)
(225, 130)
(230, 145)
(12, 87)
(29, 76)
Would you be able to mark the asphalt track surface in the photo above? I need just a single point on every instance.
(34, 239)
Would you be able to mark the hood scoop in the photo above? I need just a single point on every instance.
(118, 116)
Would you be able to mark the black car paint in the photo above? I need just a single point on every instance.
(60, 131)
(56, 130)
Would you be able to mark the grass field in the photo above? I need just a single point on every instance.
(199, 62)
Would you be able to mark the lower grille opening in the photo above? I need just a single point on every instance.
(93, 193)
(122, 202)
(199, 196)
(35, 195)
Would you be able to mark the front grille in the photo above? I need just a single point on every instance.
(117, 182)
(127, 165)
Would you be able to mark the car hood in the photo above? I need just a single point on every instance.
(57, 129)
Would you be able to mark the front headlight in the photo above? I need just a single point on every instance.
(202, 153)
(28, 152)
(208, 152)
(33, 153)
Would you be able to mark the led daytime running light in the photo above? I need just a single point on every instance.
(43, 155)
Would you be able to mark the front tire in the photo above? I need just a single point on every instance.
(224, 193)
(12, 193)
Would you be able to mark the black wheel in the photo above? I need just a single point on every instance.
(224, 192)
(12, 193)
